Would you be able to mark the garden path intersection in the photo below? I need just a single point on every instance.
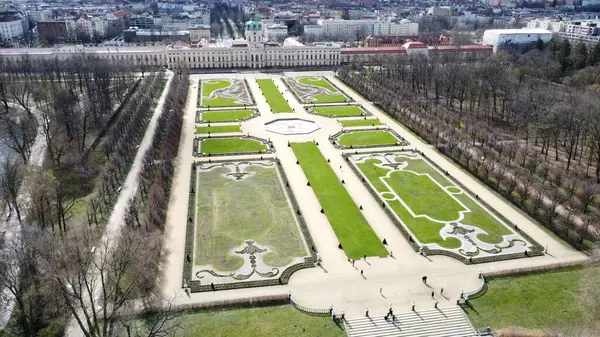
(338, 282)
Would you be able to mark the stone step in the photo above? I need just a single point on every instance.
(446, 322)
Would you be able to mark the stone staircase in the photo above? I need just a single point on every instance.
(446, 322)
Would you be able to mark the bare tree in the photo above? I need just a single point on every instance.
(12, 174)
(97, 284)
(20, 133)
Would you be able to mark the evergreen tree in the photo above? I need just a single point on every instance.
(539, 44)
(579, 56)
(594, 56)
(563, 55)
(552, 47)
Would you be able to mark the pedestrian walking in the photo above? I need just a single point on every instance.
(380, 291)
(361, 272)
(353, 262)
(424, 279)
(365, 257)
(432, 294)
(442, 291)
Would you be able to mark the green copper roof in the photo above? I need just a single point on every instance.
(253, 25)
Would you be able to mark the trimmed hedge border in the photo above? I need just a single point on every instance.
(236, 303)
(285, 81)
(284, 278)
(534, 250)
(268, 143)
(312, 112)
(255, 114)
(539, 269)
(334, 139)
(200, 101)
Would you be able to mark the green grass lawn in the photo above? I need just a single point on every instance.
(259, 322)
(230, 145)
(360, 122)
(351, 228)
(332, 96)
(539, 301)
(233, 211)
(425, 197)
(364, 138)
(225, 115)
(273, 96)
(339, 111)
(209, 87)
(218, 129)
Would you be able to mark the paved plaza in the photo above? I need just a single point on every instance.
(394, 280)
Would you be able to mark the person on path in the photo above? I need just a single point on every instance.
(353, 262)
(365, 257)
(361, 272)
(380, 291)
(424, 279)
(432, 294)
(442, 291)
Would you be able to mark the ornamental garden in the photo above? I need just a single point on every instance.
(259, 179)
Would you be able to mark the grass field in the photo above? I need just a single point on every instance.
(541, 301)
(230, 145)
(347, 221)
(274, 97)
(259, 322)
(231, 212)
(360, 122)
(236, 93)
(339, 111)
(365, 138)
(218, 129)
(424, 196)
(225, 115)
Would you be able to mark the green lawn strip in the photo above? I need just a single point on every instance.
(423, 229)
(335, 96)
(231, 212)
(209, 88)
(364, 138)
(274, 97)
(225, 115)
(478, 217)
(424, 197)
(360, 122)
(211, 85)
(327, 98)
(218, 129)
(230, 145)
(351, 228)
(339, 111)
(539, 301)
(258, 322)
(318, 82)
(220, 102)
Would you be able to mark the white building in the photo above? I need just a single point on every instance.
(313, 32)
(586, 31)
(12, 27)
(403, 28)
(276, 32)
(504, 38)
(348, 29)
(250, 53)
(552, 25)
